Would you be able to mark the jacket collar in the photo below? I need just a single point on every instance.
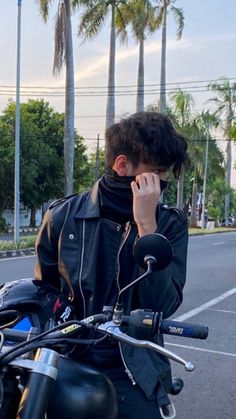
(90, 208)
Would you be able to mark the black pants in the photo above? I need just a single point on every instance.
(132, 401)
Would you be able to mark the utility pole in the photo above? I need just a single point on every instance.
(97, 161)
(204, 181)
(17, 133)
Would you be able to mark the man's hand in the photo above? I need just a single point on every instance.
(146, 193)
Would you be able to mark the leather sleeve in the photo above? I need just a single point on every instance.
(46, 247)
(163, 290)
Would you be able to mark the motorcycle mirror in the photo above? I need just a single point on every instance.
(155, 247)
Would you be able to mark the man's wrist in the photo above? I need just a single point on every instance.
(146, 228)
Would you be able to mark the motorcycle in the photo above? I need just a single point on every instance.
(38, 330)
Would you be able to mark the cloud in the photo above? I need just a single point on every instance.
(93, 68)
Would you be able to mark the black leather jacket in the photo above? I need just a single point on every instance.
(80, 252)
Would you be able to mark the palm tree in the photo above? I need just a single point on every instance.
(163, 8)
(92, 21)
(226, 103)
(140, 15)
(199, 135)
(182, 103)
(63, 54)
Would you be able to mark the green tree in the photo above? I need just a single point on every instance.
(7, 155)
(41, 157)
(82, 173)
(63, 54)
(139, 15)
(180, 112)
(195, 129)
(226, 103)
(91, 23)
(164, 7)
(200, 143)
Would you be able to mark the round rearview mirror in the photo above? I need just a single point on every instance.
(153, 246)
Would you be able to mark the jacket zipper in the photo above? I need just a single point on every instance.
(128, 372)
(128, 228)
(125, 236)
(81, 268)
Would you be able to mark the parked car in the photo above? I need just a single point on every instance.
(228, 222)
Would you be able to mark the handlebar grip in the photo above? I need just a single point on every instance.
(188, 330)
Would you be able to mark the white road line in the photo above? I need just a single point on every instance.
(203, 307)
(201, 349)
(217, 244)
(223, 311)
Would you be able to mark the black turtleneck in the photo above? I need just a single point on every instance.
(116, 198)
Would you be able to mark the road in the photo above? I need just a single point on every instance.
(209, 298)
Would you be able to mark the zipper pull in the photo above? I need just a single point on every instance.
(130, 376)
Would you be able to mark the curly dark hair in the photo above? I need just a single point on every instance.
(149, 138)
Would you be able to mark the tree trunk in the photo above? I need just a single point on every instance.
(140, 84)
(228, 177)
(32, 217)
(180, 192)
(110, 110)
(69, 106)
(193, 217)
(162, 103)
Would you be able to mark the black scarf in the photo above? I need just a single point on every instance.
(116, 198)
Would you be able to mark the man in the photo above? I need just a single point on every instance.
(85, 248)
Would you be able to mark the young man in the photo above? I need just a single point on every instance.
(85, 248)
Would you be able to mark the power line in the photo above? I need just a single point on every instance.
(103, 94)
(123, 86)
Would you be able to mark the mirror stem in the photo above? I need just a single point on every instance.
(118, 310)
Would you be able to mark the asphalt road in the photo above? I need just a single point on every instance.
(209, 298)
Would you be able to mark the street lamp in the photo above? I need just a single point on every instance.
(17, 132)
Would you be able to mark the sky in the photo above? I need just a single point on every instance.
(206, 52)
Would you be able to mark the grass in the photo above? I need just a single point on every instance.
(195, 231)
(24, 243)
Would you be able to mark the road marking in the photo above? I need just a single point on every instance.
(203, 307)
(223, 311)
(217, 244)
(8, 259)
(201, 349)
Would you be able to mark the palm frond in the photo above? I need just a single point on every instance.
(159, 14)
(60, 39)
(122, 20)
(179, 19)
(44, 8)
(93, 19)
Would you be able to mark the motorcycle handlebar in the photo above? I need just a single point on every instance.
(188, 330)
(143, 327)
(146, 324)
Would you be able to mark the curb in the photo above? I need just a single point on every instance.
(4, 254)
(24, 230)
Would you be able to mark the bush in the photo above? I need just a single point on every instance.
(213, 213)
(24, 243)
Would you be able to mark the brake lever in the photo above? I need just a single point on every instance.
(113, 330)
